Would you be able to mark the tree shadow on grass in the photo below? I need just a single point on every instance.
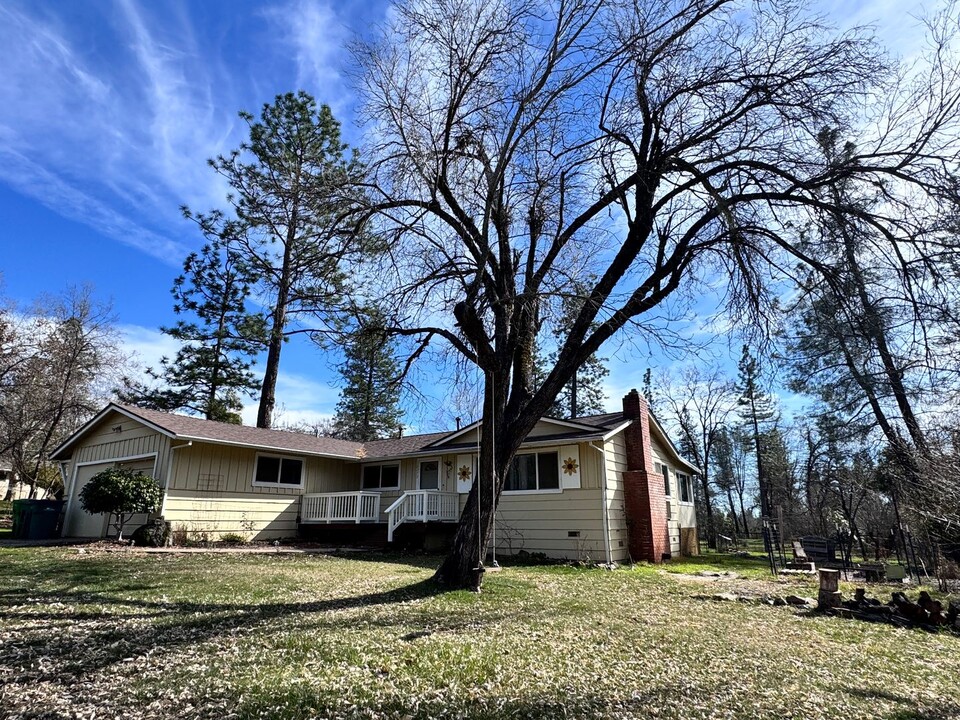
(74, 644)
(301, 701)
(946, 710)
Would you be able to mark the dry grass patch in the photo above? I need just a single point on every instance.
(300, 637)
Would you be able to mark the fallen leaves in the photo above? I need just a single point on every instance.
(130, 636)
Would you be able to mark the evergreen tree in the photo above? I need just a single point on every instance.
(778, 470)
(584, 394)
(728, 472)
(292, 183)
(369, 406)
(756, 409)
(648, 391)
(211, 371)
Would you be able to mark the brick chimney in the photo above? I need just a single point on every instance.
(644, 499)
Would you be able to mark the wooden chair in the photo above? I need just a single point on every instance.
(799, 554)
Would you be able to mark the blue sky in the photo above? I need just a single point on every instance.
(110, 108)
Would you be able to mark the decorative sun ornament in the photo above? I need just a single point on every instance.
(570, 466)
(464, 472)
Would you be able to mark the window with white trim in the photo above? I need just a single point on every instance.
(278, 471)
(533, 472)
(686, 487)
(381, 477)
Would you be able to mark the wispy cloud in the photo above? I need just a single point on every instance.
(318, 36)
(146, 346)
(117, 142)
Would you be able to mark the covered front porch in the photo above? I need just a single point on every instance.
(346, 510)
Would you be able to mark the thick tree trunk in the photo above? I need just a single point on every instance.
(462, 569)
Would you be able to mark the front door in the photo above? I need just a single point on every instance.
(429, 475)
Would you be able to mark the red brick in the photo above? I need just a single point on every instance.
(644, 498)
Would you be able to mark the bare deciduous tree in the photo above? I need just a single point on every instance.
(58, 363)
(699, 403)
(517, 145)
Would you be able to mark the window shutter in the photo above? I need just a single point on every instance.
(570, 467)
(464, 471)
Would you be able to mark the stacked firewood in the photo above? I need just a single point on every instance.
(901, 611)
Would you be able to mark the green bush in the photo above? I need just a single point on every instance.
(121, 492)
(233, 539)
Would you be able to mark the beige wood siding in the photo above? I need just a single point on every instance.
(543, 427)
(616, 452)
(226, 468)
(256, 516)
(212, 492)
(105, 444)
(542, 523)
(116, 439)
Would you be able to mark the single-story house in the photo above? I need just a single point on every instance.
(605, 487)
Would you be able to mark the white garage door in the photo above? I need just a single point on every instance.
(80, 523)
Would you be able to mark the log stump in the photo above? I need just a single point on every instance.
(829, 596)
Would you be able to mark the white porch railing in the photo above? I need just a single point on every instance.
(340, 507)
(422, 506)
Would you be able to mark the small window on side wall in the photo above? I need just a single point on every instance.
(278, 471)
(665, 471)
(686, 488)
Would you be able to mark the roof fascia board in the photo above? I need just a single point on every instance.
(619, 428)
(673, 448)
(552, 421)
(432, 451)
(456, 433)
(267, 448)
(97, 418)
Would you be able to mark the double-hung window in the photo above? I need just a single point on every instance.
(532, 472)
(686, 488)
(381, 477)
(278, 471)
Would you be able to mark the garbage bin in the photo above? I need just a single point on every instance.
(21, 521)
(43, 519)
(36, 519)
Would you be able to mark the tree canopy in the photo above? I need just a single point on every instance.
(516, 146)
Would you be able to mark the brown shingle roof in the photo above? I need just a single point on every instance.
(185, 427)
(401, 446)
(191, 428)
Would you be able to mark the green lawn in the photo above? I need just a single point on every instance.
(165, 636)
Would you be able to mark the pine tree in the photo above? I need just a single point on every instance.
(756, 409)
(292, 184)
(648, 391)
(584, 394)
(211, 371)
(369, 406)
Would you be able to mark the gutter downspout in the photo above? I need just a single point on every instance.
(605, 514)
